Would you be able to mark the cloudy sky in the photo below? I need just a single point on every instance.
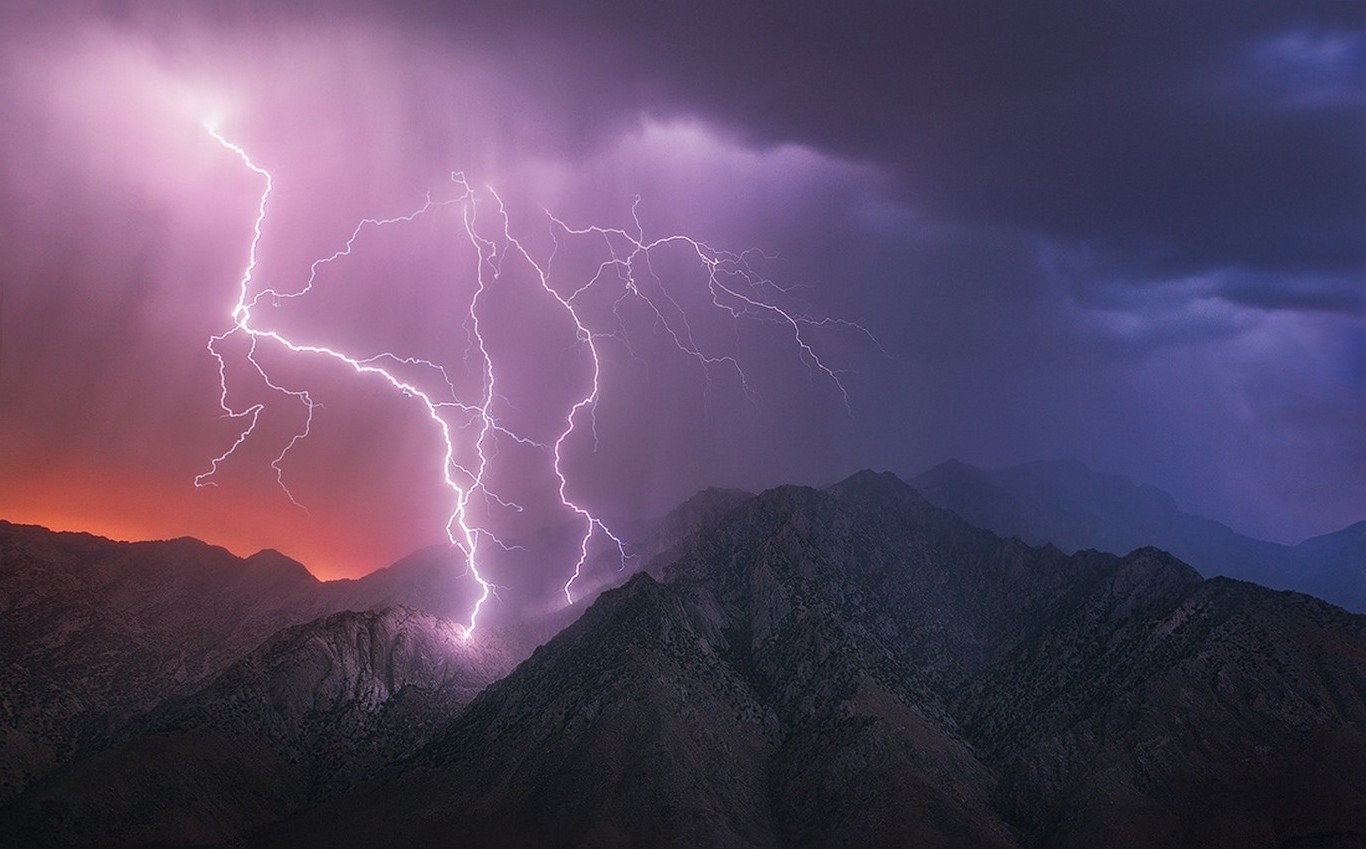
(1128, 234)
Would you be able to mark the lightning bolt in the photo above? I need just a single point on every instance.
(732, 285)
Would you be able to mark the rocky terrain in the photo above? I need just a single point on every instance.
(854, 667)
(317, 708)
(96, 631)
(842, 667)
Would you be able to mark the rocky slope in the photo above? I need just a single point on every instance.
(845, 667)
(854, 667)
(314, 710)
(94, 631)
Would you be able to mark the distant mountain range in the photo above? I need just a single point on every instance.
(850, 666)
(1074, 508)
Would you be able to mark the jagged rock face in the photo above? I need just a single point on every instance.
(95, 631)
(853, 667)
(869, 580)
(631, 731)
(1201, 714)
(346, 666)
(316, 709)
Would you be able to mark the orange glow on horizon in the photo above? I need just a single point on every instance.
(131, 511)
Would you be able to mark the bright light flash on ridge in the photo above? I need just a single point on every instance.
(468, 459)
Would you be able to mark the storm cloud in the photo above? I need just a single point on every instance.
(1127, 235)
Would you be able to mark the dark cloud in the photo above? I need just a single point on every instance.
(1180, 134)
(1335, 296)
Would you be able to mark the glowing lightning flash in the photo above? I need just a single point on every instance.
(734, 289)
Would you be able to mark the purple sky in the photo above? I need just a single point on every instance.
(1135, 238)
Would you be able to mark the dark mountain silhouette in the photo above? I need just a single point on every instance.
(1074, 508)
(95, 632)
(854, 667)
(315, 709)
(802, 668)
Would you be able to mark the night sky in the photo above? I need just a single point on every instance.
(1128, 234)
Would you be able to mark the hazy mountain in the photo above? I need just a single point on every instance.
(1074, 508)
(854, 667)
(670, 536)
(1332, 566)
(531, 572)
(435, 575)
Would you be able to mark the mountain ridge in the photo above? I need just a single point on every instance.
(859, 618)
(313, 710)
(1067, 504)
(858, 666)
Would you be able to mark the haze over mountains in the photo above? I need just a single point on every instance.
(1074, 508)
(842, 667)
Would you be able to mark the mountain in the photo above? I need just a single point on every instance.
(1333, 566)
(1074, 508)
(96, 631)
(669, 537)
(315, 709)
(432, 578)
(855, 667)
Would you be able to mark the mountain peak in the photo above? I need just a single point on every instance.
(269, 558)
(870, 475)
(869, 481)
